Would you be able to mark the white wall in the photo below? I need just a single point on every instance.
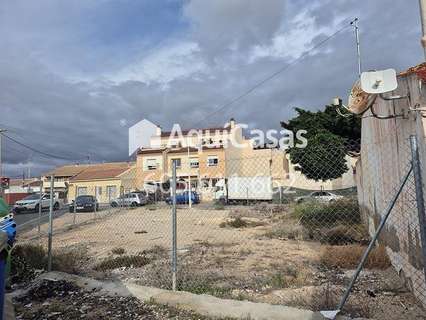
(140, 135)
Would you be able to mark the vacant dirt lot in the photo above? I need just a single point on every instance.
(257, 253)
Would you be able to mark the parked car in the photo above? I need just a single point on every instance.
(32, 203)
(84, 204)
(321, 196)
(132, 199)
(183, 198)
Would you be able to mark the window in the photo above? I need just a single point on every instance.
(111, 192)
(212, 161)
(193, 163)
(178, 163)
(98, 192)
(151, 164)
(81, 191)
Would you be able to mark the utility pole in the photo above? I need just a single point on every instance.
(422, 4)
(1, 164)
(189, 177)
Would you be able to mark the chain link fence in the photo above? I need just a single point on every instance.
(266, 225)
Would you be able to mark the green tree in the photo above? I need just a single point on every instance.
(348, 128)
(323, 158)
(330, 138)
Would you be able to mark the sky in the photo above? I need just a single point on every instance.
(75, 75)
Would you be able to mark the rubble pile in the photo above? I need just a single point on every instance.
(61, 300)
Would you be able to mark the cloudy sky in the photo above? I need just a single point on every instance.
(74, 75)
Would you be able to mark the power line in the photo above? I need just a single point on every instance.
(273, 75)
(48, 155)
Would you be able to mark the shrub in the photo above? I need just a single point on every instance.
(345, 234)
(348, 257)
(127, 261)
(67, 260)
(287, 231)
(237, 223)
(219, 205)
(240, 223)
(33, 255)
(289, 276)
(118, 251)
(29, 257)
(315, 214)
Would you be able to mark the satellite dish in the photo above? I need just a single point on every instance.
(377, 82)
(359, 100)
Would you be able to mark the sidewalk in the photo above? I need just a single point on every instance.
(201, 304)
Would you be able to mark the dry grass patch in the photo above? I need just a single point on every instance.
(118, 251)
(348, 257)
(289, 231)
(239, 223)
(127, 261)
(29, 257)
(290, 276)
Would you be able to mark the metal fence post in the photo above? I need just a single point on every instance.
(74, 209)
(174, 229)
(281, 195)
(40, 204)
(96, 201)
(418, 180)
(385, 217)
(49, 244)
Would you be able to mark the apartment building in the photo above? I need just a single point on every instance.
(198, 153)
(204, 159)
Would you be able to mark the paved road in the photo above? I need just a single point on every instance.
(28, 220)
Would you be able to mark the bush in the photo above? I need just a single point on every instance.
(219, 205)
(287, 231)
(344, 234)
(35, 256)
(127, 261)
(240, 223)
(26, 258)
(315, 214)
(348, 257)
(118, 251)
(237, 223)
(289, 276)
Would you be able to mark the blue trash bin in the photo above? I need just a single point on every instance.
(4, 239)
(7, 239)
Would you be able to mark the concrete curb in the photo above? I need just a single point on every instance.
(202, 304)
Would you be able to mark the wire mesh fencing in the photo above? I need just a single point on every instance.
(267, 225)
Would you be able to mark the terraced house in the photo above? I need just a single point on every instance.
(105, 181)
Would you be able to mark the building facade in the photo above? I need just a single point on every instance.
(105, 181)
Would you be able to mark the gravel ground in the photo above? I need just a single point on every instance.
(61, 300)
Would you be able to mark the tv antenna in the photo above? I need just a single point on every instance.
(354, 23)
(372, 84)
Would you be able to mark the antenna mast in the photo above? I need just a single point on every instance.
(358, 46)
(422, 4)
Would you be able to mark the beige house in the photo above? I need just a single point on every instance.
(105, 181)
(62, 176)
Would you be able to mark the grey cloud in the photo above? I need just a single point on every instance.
(79, 119)
(222, 25)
